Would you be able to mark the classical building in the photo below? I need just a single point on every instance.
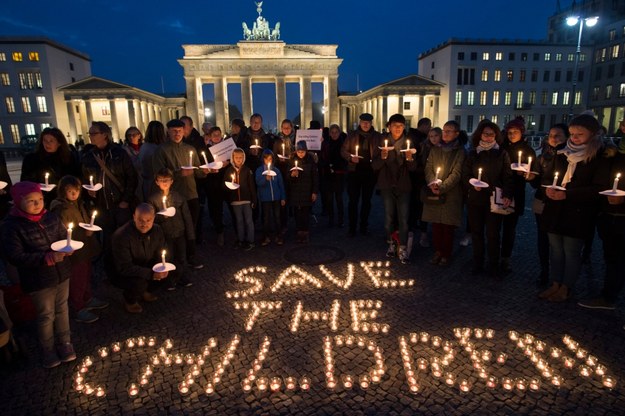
(119, 105)
(503, 79)
(261, 57)
(31, 70)
(413, 96)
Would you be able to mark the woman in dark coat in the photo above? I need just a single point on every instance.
(304, 187)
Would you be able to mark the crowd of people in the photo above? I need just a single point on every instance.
(141, 203)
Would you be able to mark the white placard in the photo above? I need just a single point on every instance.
(222, 151)
(311, 137)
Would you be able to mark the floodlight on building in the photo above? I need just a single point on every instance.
(572, 21)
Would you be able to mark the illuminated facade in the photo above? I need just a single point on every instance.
(31, 70)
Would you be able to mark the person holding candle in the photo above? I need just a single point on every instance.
(515, 145)
(27, 233)
(272, 196)
(393, 167)
(360, 177)
(304, 188)
(52, 155)
(284, 145)
(570, 215)
(433, 139)
(445, 164)
(71, 209)
(174, 155)
(496, 172)
(332, 169)
(242, 199)
(137, 247)
(177, 229)
(611, 229)
(556, 140)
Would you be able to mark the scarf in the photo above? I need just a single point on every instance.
(15, 211)
(447, 147)
(484, 146)
(574, 155)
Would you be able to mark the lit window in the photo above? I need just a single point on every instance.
(578, 98)
(510, 75)
(42, 105)
(485, 56)
(494, 118)
(15, 133)
(615, 51)
(498, 56)
(532, 97)
(38, 81)
(497, 76)
(519, 99)
(495, 97)
(507, 98)
(547, 56)
(10, 105)
(484, 75)
(571, 57)
(595, 93)
(483, 97)
(543, 98)
(26, 105)
(470, 97)
(17, 56)
(3, 57)
(1, 136)
(45, 126)
(481, 117)
(554, 98)
(608, 92)
(458, 100)
(621, 93)
(558, 57)
(582, 57)
(565, 97)
(4, 76)
(612, 34)
(33, 56)
(30, 129)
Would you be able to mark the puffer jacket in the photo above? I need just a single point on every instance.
(135, 254)
(25, 244)
(270, 190)
(118, 162)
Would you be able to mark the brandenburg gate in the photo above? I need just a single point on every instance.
(261, 57)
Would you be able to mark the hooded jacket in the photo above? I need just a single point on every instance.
(246, 192)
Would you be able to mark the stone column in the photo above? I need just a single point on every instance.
(421, 101)
(305, 94)
(381, 116)
(72, 120)
(246, 98)
(280, 100)
(114, 122)
(89, 111)
(132, 117)
(195, 102)
(333, 100)
(222, 116)
(377, 123)
(435, 114)
(84, 124)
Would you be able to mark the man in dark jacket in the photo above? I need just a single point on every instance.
(137, 247)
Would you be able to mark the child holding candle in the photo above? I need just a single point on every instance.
(304, 188)
(27, 234)
(70, 207)
(242, 199)
(177, 229)
(272, 196)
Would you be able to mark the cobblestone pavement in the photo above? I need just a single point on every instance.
(441, 299)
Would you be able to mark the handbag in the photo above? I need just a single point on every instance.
(430, 198)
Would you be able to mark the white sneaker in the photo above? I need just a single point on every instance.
(466, 240)
(403, 255)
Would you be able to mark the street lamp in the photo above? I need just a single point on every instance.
(572, 21)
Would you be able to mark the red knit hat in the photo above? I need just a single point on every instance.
(21, 189)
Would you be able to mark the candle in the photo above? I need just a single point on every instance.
(47, 175)
(520, 153)
(608, 381)
(407, 144)
(555, 179)
(304, 383)
(204, 156)
(164, 203)
(283, 151)
(256, 142)
(479, 175)
(133, 390)
(163, 259)
(438, 170)
(357, 150)
(190, 158)
(269, 166)
(69, 233)
(296, 160)
(615, 184)
(232, 178)
(93, 218)
(90, 181)
(385, 143)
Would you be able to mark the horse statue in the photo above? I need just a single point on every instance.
(247, 33)
(275, 33)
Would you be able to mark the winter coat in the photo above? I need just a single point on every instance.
(25, 244)
(305, 184)
(247, 185)
(75, 212)
(450, 160)
(36, 165)
(330, 161)
(270, 190)
(118, 162)
(518, 178)
(135, 254)
(576, 215)
(214, 181)
(367, 144)
(496, 172)
(181, 223)
(393, 172)
(173, 156)
(545, 169)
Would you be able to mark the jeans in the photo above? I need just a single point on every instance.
(271, 218)
(52, 315)
(359, 185)
(245, 222)
(396, 207)
(565, 258)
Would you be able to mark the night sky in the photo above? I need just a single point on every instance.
(137, 42)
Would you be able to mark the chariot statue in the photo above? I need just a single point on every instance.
(260, 29)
